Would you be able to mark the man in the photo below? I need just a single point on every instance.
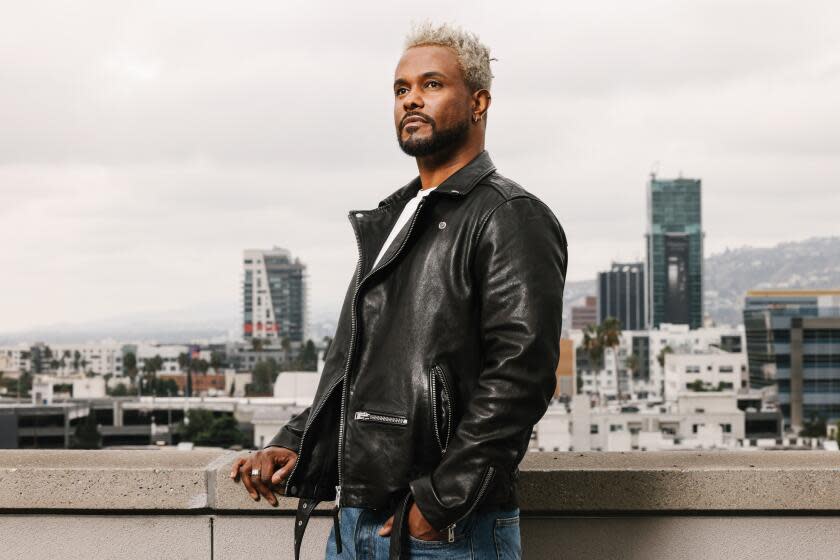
(447, 342)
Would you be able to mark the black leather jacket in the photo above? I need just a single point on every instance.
(444, 357)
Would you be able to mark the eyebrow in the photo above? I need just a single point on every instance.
(429, 74)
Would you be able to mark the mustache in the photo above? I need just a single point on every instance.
(426, 118)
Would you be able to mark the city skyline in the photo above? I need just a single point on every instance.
(136, 139)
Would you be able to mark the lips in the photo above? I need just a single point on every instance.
(413, 120)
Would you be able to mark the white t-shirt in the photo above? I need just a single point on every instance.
(410, 206)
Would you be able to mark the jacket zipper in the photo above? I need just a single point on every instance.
(436, 370)
(392, 419)
(353, 336)
(342, 381)
(450, 530)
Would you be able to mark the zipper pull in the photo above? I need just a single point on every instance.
(337, 496)
(450, 531)
(360, 415)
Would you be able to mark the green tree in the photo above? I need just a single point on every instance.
(223, 432)
(218, 360)
(185, 365)
(593, 347)
(199, 419)
(815, 427)
(263, 376)
(634, 364)
(120, 390)
(609, 333)
(86, 435)
(662, 353)
(130, 367)
(697, 385)
(308, 360)
(150, 368)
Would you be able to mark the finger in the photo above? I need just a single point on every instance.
(234, 471)
(264, 490)
(263, 482)
(283, 473)
(385, 530)
(245, 471)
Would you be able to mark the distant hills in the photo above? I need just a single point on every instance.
(813, 263)
(810, 264)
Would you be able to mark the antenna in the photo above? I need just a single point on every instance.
(654, 169)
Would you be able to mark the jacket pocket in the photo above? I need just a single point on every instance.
(441, 404)
(380, 418)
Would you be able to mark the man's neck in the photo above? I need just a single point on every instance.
(435, 169)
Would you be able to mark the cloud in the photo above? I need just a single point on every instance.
(145, 146)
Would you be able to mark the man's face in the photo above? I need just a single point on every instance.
(431, 101)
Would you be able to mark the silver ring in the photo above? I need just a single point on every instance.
(255, 473)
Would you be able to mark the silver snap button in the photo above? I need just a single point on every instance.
(359, 214)
(305, 506)
(300, 522)
(441, 225)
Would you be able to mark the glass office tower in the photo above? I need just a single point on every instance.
(621, 294)
(793, 341)
(674, 252)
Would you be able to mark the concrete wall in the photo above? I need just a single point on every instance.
(669, 505)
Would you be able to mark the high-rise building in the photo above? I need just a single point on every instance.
(586, 314)
(621, 294)
(793, 340)
(674, 252)
(274, 292)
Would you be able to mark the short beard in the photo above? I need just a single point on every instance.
(439, 142)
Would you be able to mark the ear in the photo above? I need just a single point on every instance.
(480, 102)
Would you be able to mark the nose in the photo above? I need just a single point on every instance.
(412, 100)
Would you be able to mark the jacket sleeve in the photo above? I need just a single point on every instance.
(290, 434)
(519, 269)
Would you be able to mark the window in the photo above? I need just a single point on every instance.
(616, 427)
(726, 369)
(593, 428)
(692, 369)
(727, 428)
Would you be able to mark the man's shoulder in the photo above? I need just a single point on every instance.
(496, 189)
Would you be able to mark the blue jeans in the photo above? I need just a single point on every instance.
(492, 535)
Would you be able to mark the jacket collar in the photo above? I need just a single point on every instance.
(458, 184)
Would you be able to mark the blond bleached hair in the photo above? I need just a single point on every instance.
(473, 55)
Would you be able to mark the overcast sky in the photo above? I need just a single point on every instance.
(144, 145)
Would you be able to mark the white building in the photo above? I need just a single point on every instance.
(713, 369)
(646, 346)
(296, 387)
(696, 420)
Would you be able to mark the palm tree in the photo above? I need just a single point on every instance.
(609, 333)
(592, 346)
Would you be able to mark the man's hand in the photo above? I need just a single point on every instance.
(267, 460)
(418, 527)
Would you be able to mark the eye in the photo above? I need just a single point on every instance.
(398, 90)
(433, 82)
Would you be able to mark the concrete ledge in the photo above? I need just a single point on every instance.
(550, 483)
